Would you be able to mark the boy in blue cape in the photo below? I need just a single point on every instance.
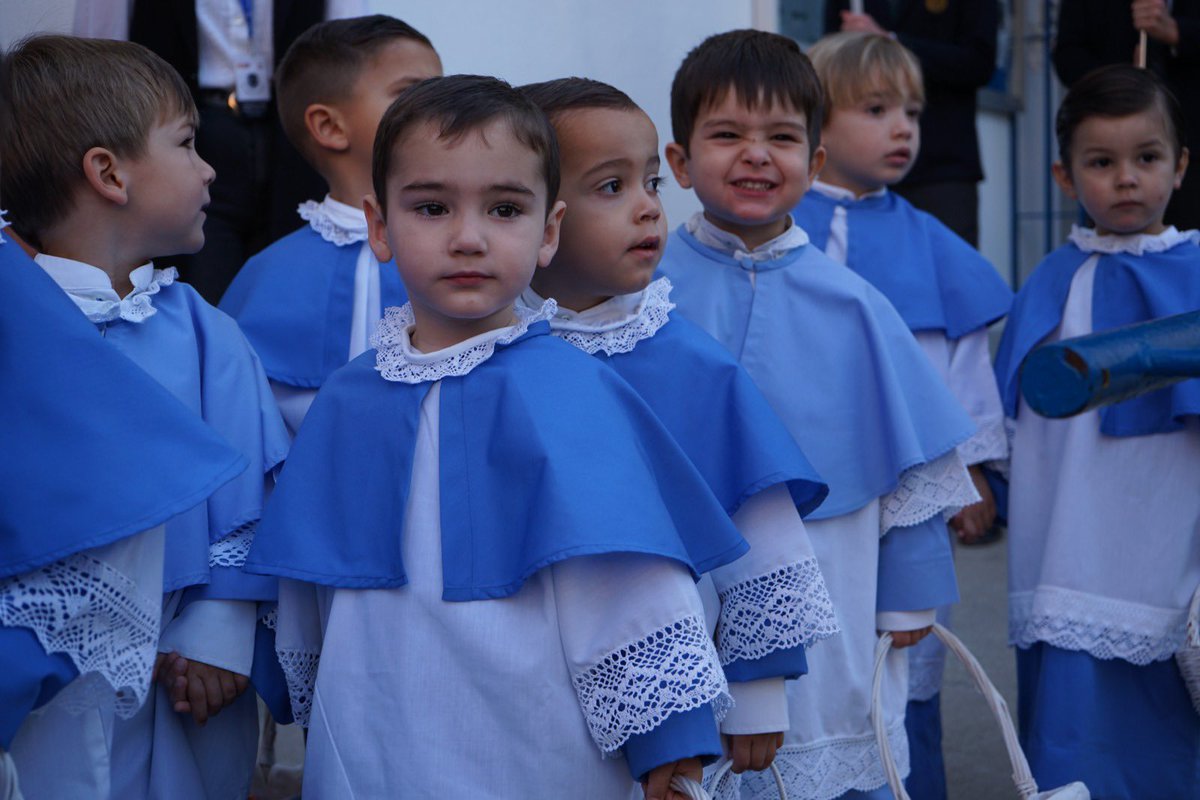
(101, 185)
(843, 373)
(493, 540)
(310, 302)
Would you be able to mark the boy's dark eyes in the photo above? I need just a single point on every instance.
(612, 186)
(1150, 157)
(655, 184)
(430, 209)
(507, 210)
(876, 110)
(724, 135)
(189, 142)
(786, 137)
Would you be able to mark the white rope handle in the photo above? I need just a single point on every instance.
(694, 791)
(1022, 777)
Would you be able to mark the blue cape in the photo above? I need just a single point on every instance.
(1127, 289)
(833, 358)
(545, 454)
(94, 449)
(717, 415)
(934, 279)
(294, 301)
(199, 354)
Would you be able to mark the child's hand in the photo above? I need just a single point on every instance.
(198, 688)
(753, 751)
(657, 785)
(902, 639)
(975, 520)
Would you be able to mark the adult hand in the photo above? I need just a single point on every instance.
(861, 23)
(1153, 17)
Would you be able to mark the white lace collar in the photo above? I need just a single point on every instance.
(842, 193)
(3, 224)
(397, 360)
(617, 324)
(725, 242)
(1087, 240)
(335, 221)
(91, 289)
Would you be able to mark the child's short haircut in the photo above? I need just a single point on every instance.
(323, 64)
(854, 65)
(1117, 90)
(69, 95)
(458, 105)
(761, 68)
(573, 94)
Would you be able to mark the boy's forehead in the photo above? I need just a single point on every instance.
(595, 133)
(425, 155)
(727, 101)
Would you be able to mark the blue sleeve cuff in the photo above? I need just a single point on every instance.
(682, 735)
(916, 568)
(233, 583)
(29, 678)
(790, 663)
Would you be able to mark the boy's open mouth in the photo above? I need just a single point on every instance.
(754, 185)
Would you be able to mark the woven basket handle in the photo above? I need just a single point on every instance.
(1022, 777)
(695, 791)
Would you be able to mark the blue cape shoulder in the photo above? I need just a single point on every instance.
(94, 449)
(718, 416)
(545, 454)
(934, 279)
(831, 355)
(1127, 289)
(294, 301)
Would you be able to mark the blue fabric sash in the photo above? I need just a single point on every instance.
(545, 454)
(833, 358)
(934, 279)
(1127, 289)
(295, 300)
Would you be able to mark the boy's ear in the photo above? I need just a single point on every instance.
(677, 160)
(327, 127)
(104, 174)
(1181, 167)
(1062, 176)
(377, 235)
(550, 235)
(815, 164)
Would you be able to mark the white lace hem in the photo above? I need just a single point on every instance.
(231, 550)
(988, 443)
(652, 313)
(135, 307)
(93, 613)
(300, 671)
(829, 769)
(1087, 240)
(319, 219)
(783, 609)
(397, 360)
(939, 486)
(1100, 626)
(632, 690)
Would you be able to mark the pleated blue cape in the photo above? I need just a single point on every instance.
(545, 454)
(295, 300)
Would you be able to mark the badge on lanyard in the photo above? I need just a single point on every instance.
(251, 82)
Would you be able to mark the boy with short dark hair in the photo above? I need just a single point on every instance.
(844, 374)
(310, 302)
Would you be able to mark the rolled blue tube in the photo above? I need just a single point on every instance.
(1076, 375)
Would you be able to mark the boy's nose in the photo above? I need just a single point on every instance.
(468, 237)
(756, 153)
(649, 207)
(208, 172)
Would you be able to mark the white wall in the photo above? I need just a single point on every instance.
(996, 190)
(19, 18)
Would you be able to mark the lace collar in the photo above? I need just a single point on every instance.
(3, 224)
(841, 193)
(335, 221)
(617, 324)
(1138, 244)
(397, 360)
(722, 241)
(91, 289)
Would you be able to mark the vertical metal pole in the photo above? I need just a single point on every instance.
(1048, 110)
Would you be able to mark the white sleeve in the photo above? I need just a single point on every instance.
(758, 707)
(102, 19)
(217, 632)
(293, 403)
(973, 382)
(633, 634)
(299, 633)
(905, 620)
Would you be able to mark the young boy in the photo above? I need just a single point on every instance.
(100, 185)
(945, 291)
(772, 602)
(310, 302)
(496, 522)
(844, 374)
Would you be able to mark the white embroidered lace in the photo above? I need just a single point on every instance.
(621, 337)
(829, 769)
(939, 486)
(1103, 627)
(633, 689)
(776, 611)
(988, 443)
(330, 229)
(134, 307)
(94, 614)
(1087, 240)
(270, 620)
(300, 670)
(232, 549)
(396, 360)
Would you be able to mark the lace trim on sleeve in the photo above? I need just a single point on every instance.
(300, 671)
(939, 486)
(830, 768)
(777, 611)
(632, 690)
(989, 443)
(93, 613)
(231, 550)
(652, 313)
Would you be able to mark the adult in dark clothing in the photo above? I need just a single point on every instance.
(1092, 33)
(955, 41)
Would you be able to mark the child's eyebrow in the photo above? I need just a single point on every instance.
(612, 163)
(436, 186)
(724, 121)
(514, 188)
